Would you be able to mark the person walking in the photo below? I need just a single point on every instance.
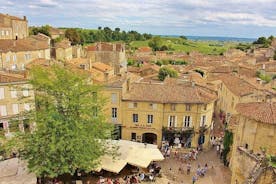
(189, 166)
(194, 179)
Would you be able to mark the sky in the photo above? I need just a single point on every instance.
(231, 18)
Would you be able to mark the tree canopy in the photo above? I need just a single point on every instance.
(166, 72)
(70, 128)
(43, 29)
(106, 34)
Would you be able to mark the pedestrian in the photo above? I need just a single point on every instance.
(218, 149)
(206, 167)
(168, 152)
(198, 170)
(194, 179)
(189, 166)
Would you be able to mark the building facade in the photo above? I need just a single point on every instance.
(16, 97)
(112, 54)
(254, 134)
(12, 27)
(154, 112)
(16, 54)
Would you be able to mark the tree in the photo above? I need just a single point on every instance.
(155, 43)
(70, 128)
(183, 37)
(43, 29)
(165, 72)
(73, 36)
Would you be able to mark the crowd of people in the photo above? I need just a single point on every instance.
(154, 171)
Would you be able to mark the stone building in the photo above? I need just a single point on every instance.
(15, 54)
(55, 32)
(112, 54)
(63, 50)
(153, 112)
(233, 90)
(255, 132)
(12, 27)
(15, 98)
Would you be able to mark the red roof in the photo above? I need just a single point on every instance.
(144, 49)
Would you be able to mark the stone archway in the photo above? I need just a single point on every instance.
(150, 138)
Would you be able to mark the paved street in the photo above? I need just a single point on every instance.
(216, 174)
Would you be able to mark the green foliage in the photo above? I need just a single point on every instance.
(165, 72)
(70, 127)
(227, 143)
(43, 29)
(263, 41)
(181, 45)
(130, 62)
(264, 77)
(106, 34)
(274, 57)
(243, 46)
(155, 43)
(73, 36)
(183, 37)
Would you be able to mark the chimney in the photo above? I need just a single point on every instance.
(24, 17)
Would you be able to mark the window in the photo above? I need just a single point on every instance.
(153, 106)
(15, 108)
(28, 56)
(203, 121)
(3, 33)
(114, 98)
(2, 93)
(26, 92)
(133, 136)
(27, 107)
(173, 107)
(114, 113)
(150, 118)
(132, 105)
(187, 121)
(205, 107)
(13, 93)
(7, 33)
(7, 58)
(172, 121)
(14, 58)
(135, 118)
(188, 107)
(3, 110)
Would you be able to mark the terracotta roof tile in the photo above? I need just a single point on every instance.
(27, 44)
(101, 66)
(144, 49)
(260, 111)
(8, 77)
(11, 17)
(236, 85)
(65, 43)
(168, 92)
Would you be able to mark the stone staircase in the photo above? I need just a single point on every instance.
(256, 171)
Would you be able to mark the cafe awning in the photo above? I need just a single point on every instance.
(132, 153)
